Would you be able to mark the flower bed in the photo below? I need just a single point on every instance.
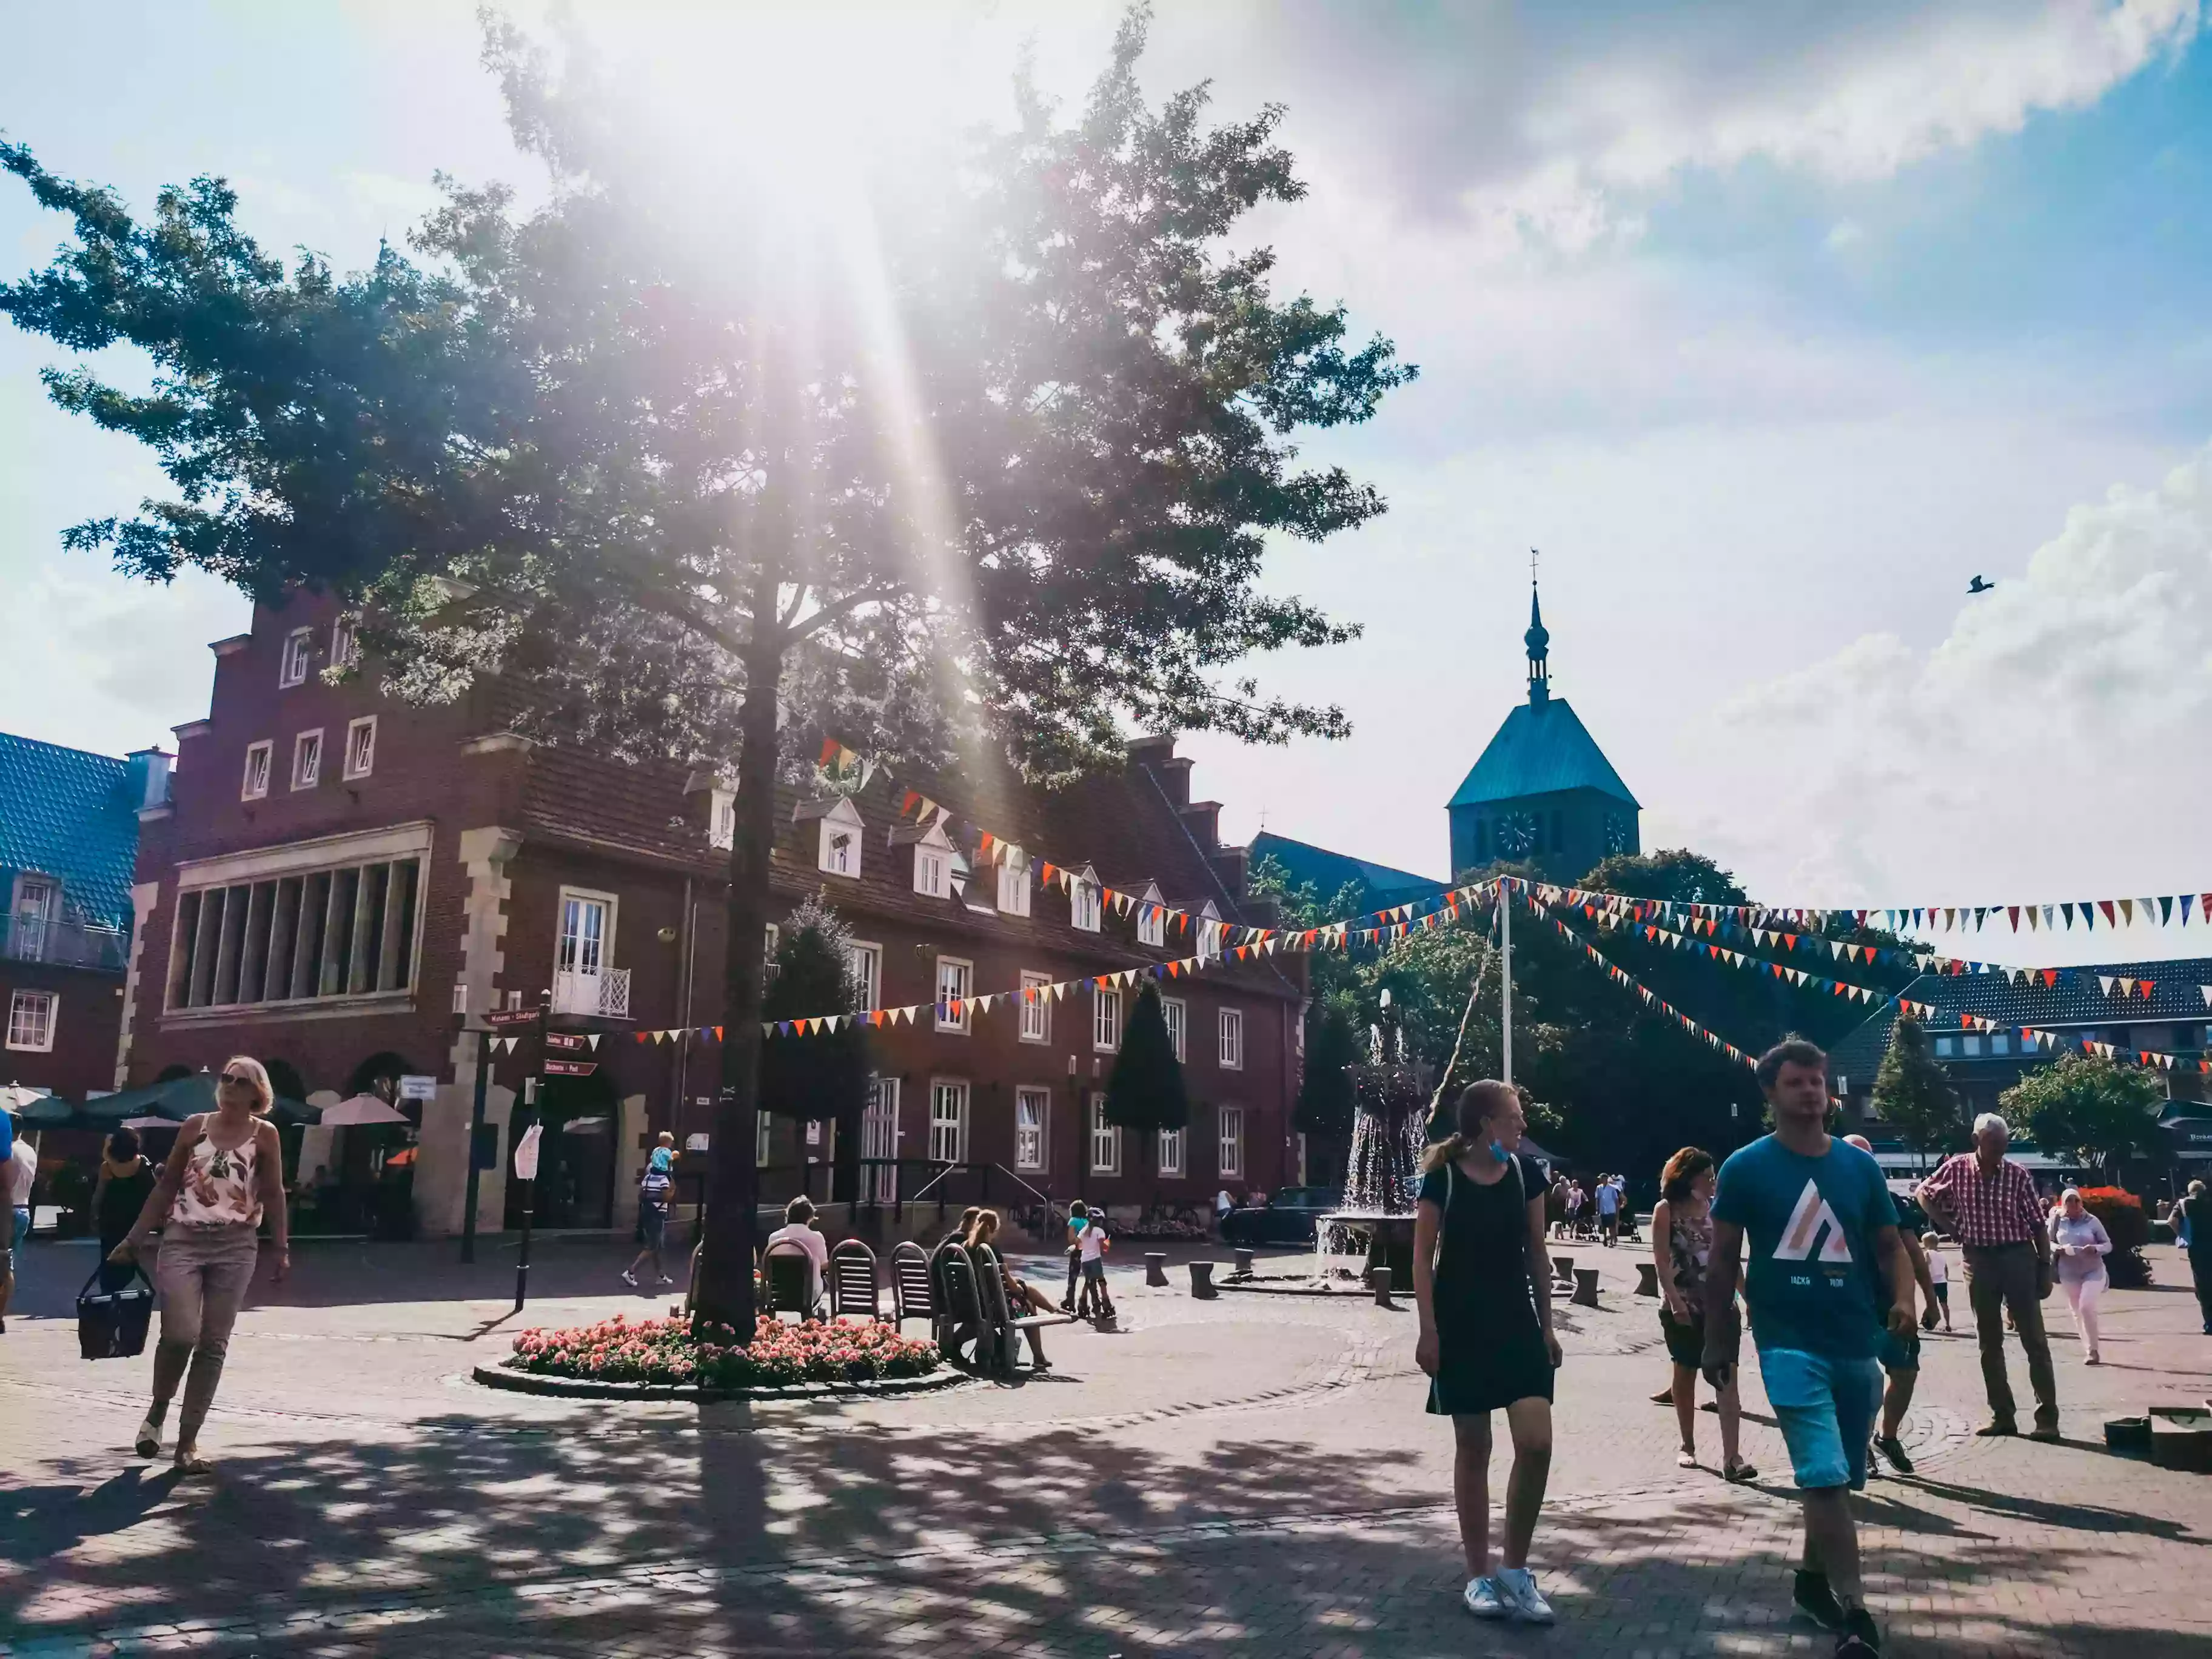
(667, 1350)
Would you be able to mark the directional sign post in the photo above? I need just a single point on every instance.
(525, 1171)
(497, 1019)
(570, 1067)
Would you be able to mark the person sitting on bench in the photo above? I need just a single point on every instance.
(1022, 1296)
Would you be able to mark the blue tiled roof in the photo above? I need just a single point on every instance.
(73, 815)
(1327, 872)
(1542, 749)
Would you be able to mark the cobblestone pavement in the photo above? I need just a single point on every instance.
(1248, 1476)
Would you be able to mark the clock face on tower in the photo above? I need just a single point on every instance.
(1516, 833)
(1616, 833)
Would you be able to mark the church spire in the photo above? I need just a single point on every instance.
(1539, 641)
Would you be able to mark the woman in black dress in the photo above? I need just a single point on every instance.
(1486, 1339)
(126, 1180)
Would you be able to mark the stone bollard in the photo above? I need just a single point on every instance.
(1585, 1294)
(1155, 1267)
(1563, 1270)
(1243, 1265)
(1201, 1281)
(1646, 1279)
(1380, 1277)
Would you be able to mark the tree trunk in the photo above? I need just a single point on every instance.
(724, 1294)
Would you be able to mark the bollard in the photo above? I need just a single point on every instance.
(1646, 1279)
(1201, 1281)
(1585, 1294)
(1155, 1267)
(1380, 1277)
(1563, 1270)
(1243, 1265)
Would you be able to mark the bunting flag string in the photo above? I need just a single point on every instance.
(1649, 998)
(2161, 911)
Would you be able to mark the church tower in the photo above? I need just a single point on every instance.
(1543, 791)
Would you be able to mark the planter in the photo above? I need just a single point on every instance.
(573, 1387)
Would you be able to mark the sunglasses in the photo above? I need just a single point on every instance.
(239, 1077)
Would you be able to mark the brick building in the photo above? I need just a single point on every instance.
(334, 877)
(69, 835)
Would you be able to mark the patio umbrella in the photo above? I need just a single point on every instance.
(179, 1097)
(361, 1108)
(147, 1123)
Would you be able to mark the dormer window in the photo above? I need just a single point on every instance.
(298, 647)
(841, 850)
(1014, 883)
(838, 830)
(1209, 930)
(931, 876)
(1151, 919)
(722, 818)
(937, 871)
(1084, 903)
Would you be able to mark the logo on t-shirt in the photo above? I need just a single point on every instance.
(1813, 1223)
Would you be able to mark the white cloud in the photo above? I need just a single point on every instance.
(2051, 747)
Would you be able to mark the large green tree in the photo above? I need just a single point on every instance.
(994, 480)
(822, 1078)
(1145, 1092)
(2095, 1108)
(1912, 1092)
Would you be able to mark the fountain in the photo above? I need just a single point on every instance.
(1389, 1124)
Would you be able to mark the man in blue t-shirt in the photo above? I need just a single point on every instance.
(1815, 1212)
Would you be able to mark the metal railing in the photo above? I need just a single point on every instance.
(29, 936)
(604, 995)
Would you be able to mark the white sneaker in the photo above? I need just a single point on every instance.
(1516, 1587)
(628, 1278)
(149, 1442)
(1482, 1598)
(665, 1279)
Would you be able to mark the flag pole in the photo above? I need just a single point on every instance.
(1505, 974)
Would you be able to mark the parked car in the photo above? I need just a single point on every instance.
(1287, 1216)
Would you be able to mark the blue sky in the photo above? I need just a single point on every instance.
(1769, 324)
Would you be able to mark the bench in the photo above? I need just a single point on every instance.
(959, 1305)
(853, 1290)
(790, 1273)
(911, 1295)
(999, 1314)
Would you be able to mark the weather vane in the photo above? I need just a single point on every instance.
(1532, 567)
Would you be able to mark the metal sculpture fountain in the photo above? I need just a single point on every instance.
(1389, 1122)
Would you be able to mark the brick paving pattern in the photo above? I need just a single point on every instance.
(1250, 1476)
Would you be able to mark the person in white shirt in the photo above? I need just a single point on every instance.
(22, 1166)
(1939, 1276)
(1222, 1206)
(798, 1228)
(1090, 1248)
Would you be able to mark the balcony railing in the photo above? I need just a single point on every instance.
(32, 938)
(600, 996)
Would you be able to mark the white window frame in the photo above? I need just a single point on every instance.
(345, 645)
(1151, 922)
(966, 971)
(1037, 1012)
(21, 1037)
(1014, 883)
(1177, 1012)
(1032, 1149)
(1085, 903)
(1105, 1139)
(948, 1135)
(1229, 1149)
(1230, 1027)
(265, 751)
(1105, 1020)
(1210, 933)
(354, 767)
(299, 652)
(305, 776)
(587, 896)
(838, 851)
(722, 818)
(865, 958)
(932, 871)
(1170, 1155)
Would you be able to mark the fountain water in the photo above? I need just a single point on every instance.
(1389, 1130)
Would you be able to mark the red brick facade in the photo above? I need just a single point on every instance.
(87, 1008)
(440, 875)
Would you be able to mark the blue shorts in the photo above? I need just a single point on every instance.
(21, 1220)
(1095, 1270)
(1827, 1408)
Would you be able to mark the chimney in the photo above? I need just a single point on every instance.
(1233, 865)
(1204, 819)
(152, 768)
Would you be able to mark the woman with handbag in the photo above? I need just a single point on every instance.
(1486, 1338)
(126, 1182)
(225, 1173)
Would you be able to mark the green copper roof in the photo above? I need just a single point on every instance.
(1542, 749)
(73, 815)
(1327, 872)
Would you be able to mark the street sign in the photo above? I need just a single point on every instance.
(568, 1042)
(499, 1016)
(571, 1067)
(525, 1153)
(418, 1088)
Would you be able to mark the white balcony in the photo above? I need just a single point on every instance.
(600, 996)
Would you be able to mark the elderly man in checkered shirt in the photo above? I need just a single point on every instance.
(1988, 1203)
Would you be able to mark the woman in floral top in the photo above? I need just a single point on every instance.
(1681, 1240)
(223, 1176)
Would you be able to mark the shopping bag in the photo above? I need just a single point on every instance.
(112, 1324)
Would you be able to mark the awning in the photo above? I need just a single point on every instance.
(179, 1098)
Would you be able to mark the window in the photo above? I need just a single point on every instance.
(1232, 1141)
(1036, 1008)
(1232, 1040)
(1084, 905)
(1173, 1008)
(1946, 1045)
(1014, 883)
(865, 962)
(38, 907)
(1152, 923)
(361, 747)
(347, 930)
(299, 647)
(1105, 1020)
(31, 1021)
(307, 759)
(257, 770)
(948, 1121)
(585, 979)
(722, 817)
(929, 872)
(839, 852)
(1170, 1152)
(345, 649)
(1105, 1140)
(1030, 1108)
(1970, 1045)
(952, 986)
(2001, 1043)
(761, 1122)
(1210, 932)
(767, 944)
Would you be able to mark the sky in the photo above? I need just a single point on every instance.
(1770, 325)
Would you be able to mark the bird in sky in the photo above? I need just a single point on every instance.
(1978, 586)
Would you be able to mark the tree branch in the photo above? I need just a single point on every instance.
(837, 608)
